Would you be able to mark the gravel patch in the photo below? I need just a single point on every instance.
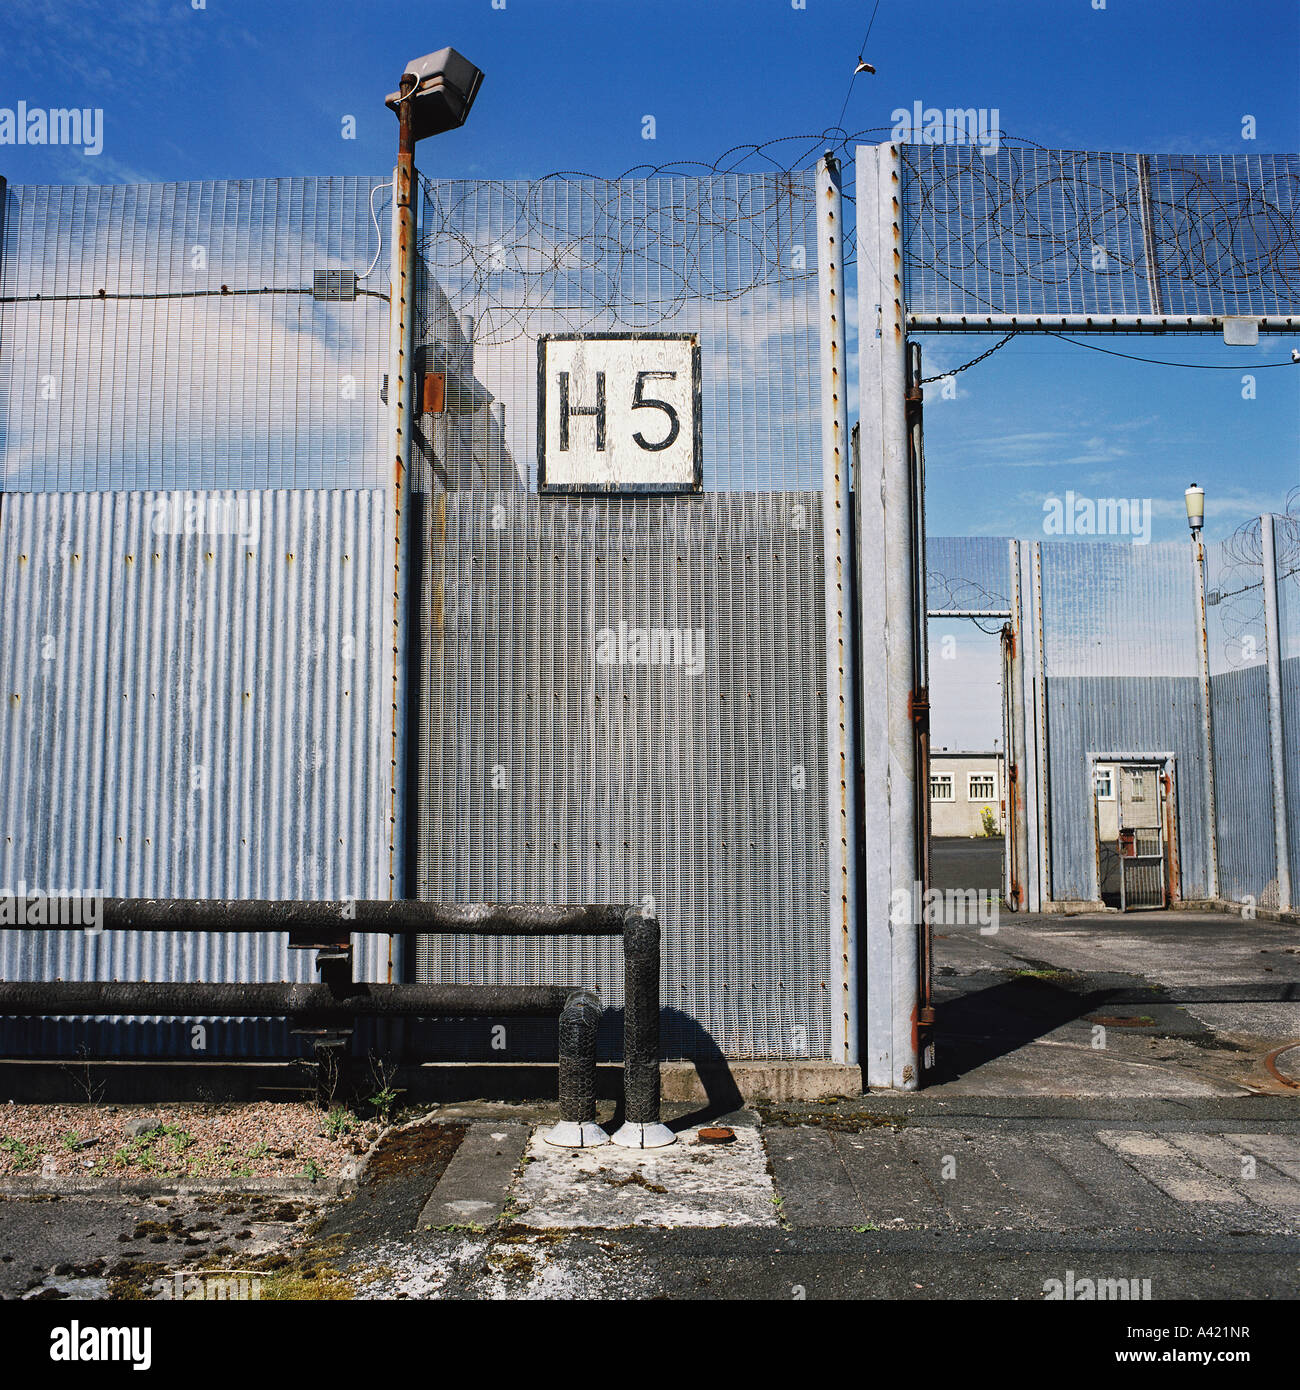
(201, 1142)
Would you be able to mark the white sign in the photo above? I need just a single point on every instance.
(619, 413)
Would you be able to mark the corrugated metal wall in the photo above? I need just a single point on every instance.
(1119, 639)
(550, 775)
(192, 714)
(1087, 714)
(547, 776)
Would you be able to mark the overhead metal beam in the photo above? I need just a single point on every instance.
(1091, 323)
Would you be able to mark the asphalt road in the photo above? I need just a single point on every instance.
(966, 864)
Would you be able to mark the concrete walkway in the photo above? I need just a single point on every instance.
(1141, 1005)
(1103, 1113)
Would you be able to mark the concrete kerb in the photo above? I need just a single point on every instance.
(323, 1188)
(508, 1172)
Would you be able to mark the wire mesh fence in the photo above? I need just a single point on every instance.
(1029, 231)
(547, 771)
(163, 336)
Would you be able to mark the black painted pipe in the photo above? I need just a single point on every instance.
(578, 1024)
(333, 919)
(365, 915)
(322, 1002)
(641, 1017)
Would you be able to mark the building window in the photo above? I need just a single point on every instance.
(941, 788)
(1137, 787)
(982, 786)
(1104, 784)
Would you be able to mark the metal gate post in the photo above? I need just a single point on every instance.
(888, 561)
(1276, 733)
(1044, 752)
(1207, 721)
(401, 368)
(837, 498)
(1017, 752)
(1030, 777)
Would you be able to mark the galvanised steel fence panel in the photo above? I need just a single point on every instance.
(553, 765)
(1239, 702)
(158, 336)
(192, 708)
(1029, 231)
(967, 573)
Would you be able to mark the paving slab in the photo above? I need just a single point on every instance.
(688, 1183)
(1240, 1165)
(473, 1189)
(1280, 1151)
(1173, 1172)
(1121, 1198)
(1049, 1195)
(811, 1178)
(890, 1180)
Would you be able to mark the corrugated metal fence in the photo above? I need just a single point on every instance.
(192, 708)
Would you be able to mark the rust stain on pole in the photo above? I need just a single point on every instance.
(400, 308)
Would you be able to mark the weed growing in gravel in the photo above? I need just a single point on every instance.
(340, 1122)
(178, 1139)
(23, 1156)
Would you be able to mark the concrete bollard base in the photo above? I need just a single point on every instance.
(638, 1136)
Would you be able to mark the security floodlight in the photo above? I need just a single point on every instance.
(1195, 499)
(445, 87)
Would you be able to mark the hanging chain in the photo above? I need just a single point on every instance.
(926, 380)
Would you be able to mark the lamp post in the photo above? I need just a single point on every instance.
(1194, 498)
(435, 95)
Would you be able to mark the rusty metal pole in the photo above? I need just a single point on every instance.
(401, 321)
(841, 724)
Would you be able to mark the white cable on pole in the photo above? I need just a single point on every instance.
(379, 236)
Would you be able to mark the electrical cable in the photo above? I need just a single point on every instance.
(379, 236)
(854, 78)
(1162, 362)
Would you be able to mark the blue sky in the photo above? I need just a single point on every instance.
(237, 89)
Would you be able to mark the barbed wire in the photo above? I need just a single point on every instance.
(951, 592)
(1239, 588)
(639, 248)
(1095, 232)
(1147, 234)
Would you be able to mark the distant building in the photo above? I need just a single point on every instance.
(963, 787)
